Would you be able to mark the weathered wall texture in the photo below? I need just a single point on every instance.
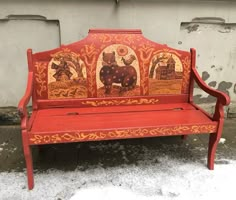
(208, 26)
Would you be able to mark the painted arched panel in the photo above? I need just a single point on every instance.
(67, 76)
(117, 72)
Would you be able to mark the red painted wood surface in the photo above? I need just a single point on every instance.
(90, 124)
(170, 111)
(142, 54)
(103, 102)
(193, 63)
(82, 119)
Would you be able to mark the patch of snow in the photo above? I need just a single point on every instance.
(3, 144)
(181, 182)
(222, 140)
(1, 148)
(166, 179)
(200, 148)
(105, 192)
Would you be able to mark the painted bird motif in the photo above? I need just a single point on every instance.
(129, 60)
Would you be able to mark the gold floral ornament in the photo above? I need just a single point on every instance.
(105, 38)
(121, 102)
(145, 53)
(89, 55)
(186, 74)
(118, 134)
(40, 77)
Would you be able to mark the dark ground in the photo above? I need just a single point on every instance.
(111, 153)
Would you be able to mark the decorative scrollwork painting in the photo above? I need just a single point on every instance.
(112, 65)
(118, 134)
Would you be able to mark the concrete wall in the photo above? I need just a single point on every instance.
(209, 26)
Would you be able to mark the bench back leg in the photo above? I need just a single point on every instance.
(184, 137)
(28, 160)
(213, 142)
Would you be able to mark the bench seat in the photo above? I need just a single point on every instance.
(160, 120)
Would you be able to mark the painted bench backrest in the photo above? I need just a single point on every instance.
(112, 65)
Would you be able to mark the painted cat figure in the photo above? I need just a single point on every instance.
(112, 73)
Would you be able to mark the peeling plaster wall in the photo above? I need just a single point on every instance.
(208, 26)
(216, 55)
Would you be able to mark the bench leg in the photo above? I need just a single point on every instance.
(212, 150)
(28, 161)
(184, 137)
(213, 142)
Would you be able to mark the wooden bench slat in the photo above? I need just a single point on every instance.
(61, 122)
(107, 109)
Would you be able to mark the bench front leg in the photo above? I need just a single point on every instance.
(28, 159)
(214, 138)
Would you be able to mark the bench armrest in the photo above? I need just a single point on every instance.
(223, 99)
(24, 101)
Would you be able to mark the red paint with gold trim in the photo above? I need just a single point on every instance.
(111, 65)
(114, 84)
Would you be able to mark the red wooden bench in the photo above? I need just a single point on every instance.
(114, 84)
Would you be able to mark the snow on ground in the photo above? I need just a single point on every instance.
(222, 140)
(166, 179)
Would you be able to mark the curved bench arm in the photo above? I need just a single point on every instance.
(24, 101)
(221, 97)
